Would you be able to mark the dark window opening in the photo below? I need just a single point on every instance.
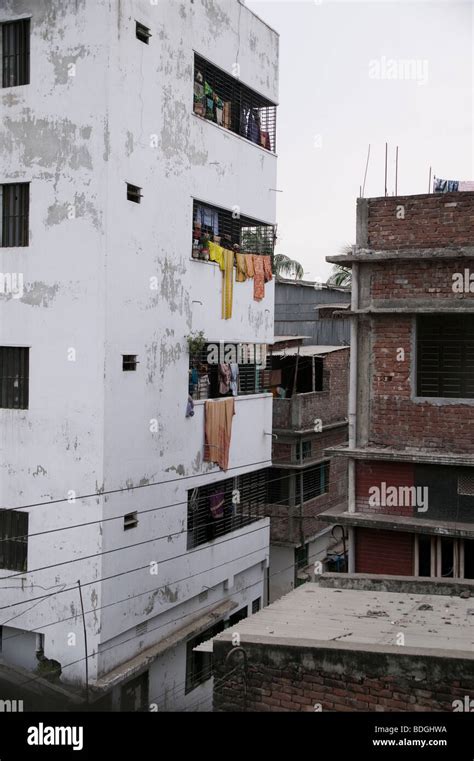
(134, 193)
(278, 487)
(134, 694)
(424, 555)
(229, 230)
(447, 557)
(301, 562)
(221, 98)
(199, 664)
(14, 377)
(315, 482)
(299, 369)
(306, 447)
(256, 605)
(13, 540)
(129, 362)
(239, 615)
(445, 356)
(15, 53)
(130, 520)
(143, 33)
(209, 380)
(219, 508)
(468, 558)
(14, 202)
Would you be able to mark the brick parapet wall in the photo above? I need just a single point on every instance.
(298, 678)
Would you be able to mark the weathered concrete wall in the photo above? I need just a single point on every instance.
(118, 278)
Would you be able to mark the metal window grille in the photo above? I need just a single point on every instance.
(204, 373)
(130, 520)
(214, 223)
(445, 356)
(256, 605)
(15, 53)
(224, 100)
(15, 214)
(142, 33)
(466, 484)
(239, 615)
(278, 486)
(134, 193)
(244, 502)
(129, 362)
(315, 482)
(14, 377)
(13, 540)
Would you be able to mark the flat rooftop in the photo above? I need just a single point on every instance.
(314, 616)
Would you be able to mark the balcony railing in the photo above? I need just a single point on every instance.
(230, 230)
(224, 100)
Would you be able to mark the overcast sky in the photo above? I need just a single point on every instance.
(344, 83)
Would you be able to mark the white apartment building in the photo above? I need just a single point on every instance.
(124, 124)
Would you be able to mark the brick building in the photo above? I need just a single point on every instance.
(411, 399)
(304, 481)
(351, 643)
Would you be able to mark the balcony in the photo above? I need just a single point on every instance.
(300, 412)
(222, 99)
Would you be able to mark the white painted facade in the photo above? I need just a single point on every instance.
(103, 109)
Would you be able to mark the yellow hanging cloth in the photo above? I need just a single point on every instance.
(216, 254)
(241, 270)
(227, 284)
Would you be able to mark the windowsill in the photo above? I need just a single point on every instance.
(439, 401)
(240, 398)
(235, 134)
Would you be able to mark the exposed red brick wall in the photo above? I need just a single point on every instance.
(429, 220)
(395, 420)
(370, 474)
(402, 279)
(284, 678)
(386, 552)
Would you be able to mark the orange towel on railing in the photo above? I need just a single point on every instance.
(249, 265)
(218, 416)
(258, 278)
(267, 268)
(241, 271)
(227, 284)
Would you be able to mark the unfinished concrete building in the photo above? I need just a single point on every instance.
(411, 399)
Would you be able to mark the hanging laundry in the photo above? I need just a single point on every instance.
(267, 268)
(253, 126)
(258, 280)
(241, 269)
(224, 374)
(190, 407)
(445, 186)
(208, 218)
(216, 254)
(249, 265)
(265, 140)
(234, 378)
(227, 284)
(216, 504)
(218, 430)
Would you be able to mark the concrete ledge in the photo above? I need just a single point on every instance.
(399, 455)
(410, 584)
(399, 523)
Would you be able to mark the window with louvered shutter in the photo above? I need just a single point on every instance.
(445, 356)
(14, 377)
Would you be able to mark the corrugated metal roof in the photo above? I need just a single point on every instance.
(306, 351)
